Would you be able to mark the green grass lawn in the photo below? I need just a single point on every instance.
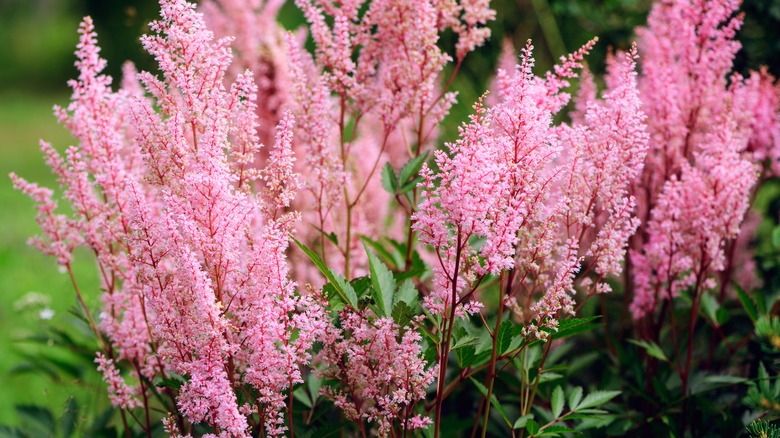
(24, 119)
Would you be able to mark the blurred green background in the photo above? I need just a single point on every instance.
(36, 59)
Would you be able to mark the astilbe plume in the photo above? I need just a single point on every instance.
(711, 134)
(371, 93)
(539, 211)
(381, 373)
(190, 241)
(259, 47)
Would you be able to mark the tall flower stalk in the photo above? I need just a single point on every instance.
(529, 202)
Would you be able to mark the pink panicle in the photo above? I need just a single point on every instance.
(189, 237)
(119, 393)
(705, 125)
(372, 94)
(258, 48)
(542, 197)
(380, 370)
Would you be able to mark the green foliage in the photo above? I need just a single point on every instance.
(763, 429)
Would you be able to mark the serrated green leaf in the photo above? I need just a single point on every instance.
(575, 396)
(362, 286)
(379, 249)
(383, 282)
(345, 288)
(597, 398)
(342, 287)
(521, 422)
(572, 326)
(412, 168)
(532, 427)
(409, 186)
(465, 356)
(596, 422)
(747, 303)
(402, 314)
(465, 341)
(549, 377)
(555, 430)
(505, 332)
(389, 180)
(651, 348)
(407, 293)
(585, 413)
(556, 402)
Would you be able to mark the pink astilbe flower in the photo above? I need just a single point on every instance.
(705, 125)
(190, 239)
(694, 218)
(380, 370)
(259, 48)
(370, 94)
(119, 393)
(542, 197)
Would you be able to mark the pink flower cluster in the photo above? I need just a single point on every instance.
(711, 133)
(515, 193)
(379, 369)
(187, 196)
(190, 238)
(369, 95)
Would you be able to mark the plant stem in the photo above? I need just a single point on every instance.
(491, 372)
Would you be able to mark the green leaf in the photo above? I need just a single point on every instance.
(595, 422)
(585, 413)
(763, 379)
(412, 168)
(379, 249)
(710, 306)
(407, 293)
(575, 396)
(465, 341)
(521, 422)
(493, 400)
(69, 418)
(505, 332)
(573, 326)
(302, 396)
(389, 181)
(362, 286)
(408, 187)
(402, 314)
(651, 348)
(344, 289)
(532, 427)
(597, 398)
(35, 416)
(776, 237)
(548, 376)
(383, 282)
(173, 381)
(555, 430)
(465, 356)
(556, 402)
(747, 303)
(314, 383)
